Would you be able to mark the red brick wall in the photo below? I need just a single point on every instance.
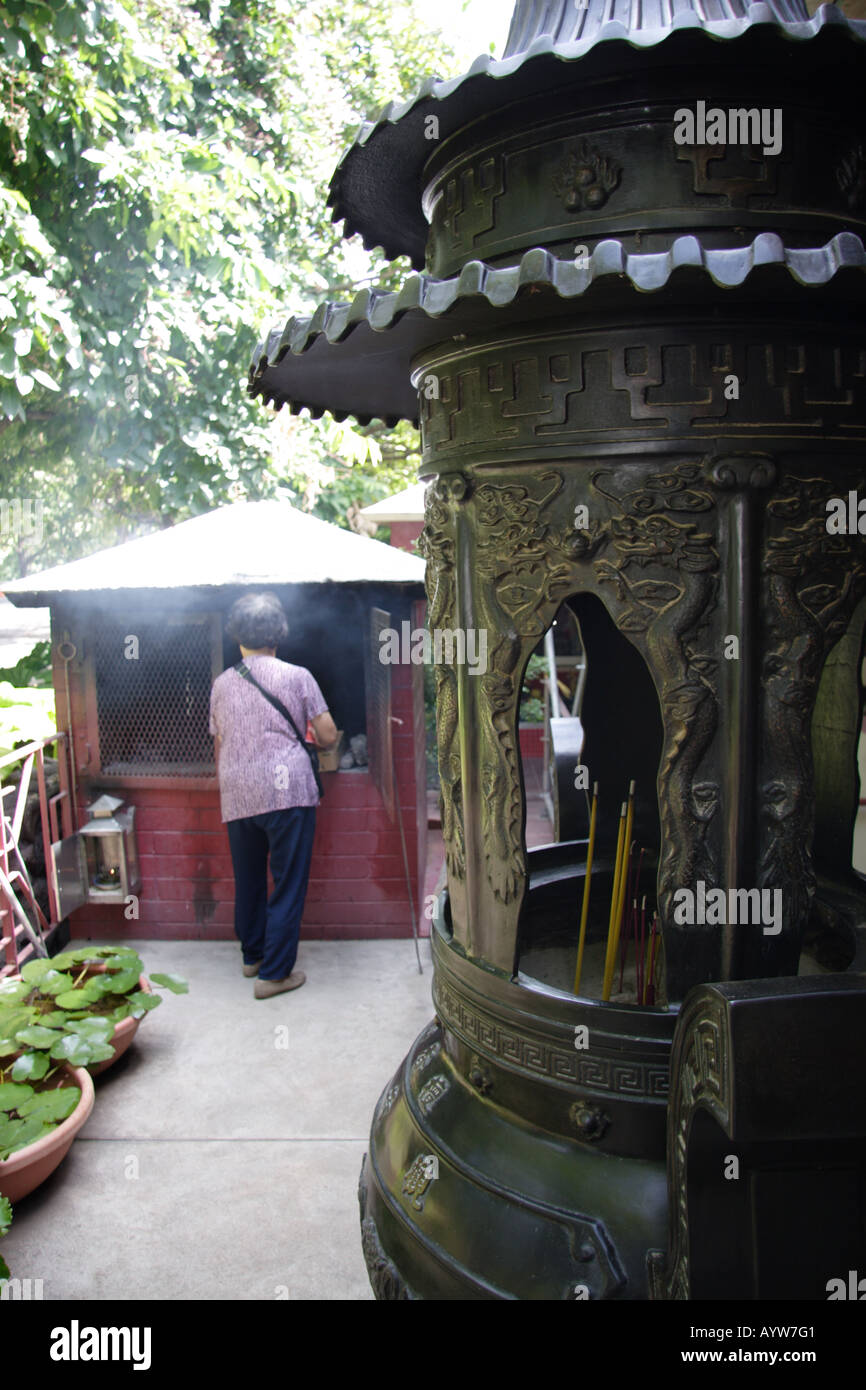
(357, 881)
(187, 889)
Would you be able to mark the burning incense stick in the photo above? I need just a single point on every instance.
(584, 911)
(620, 893)
(655, 941)
(623, 956)
(610, 954)
(644, 954)
(631, 925)
(623, 951)
(635, 892)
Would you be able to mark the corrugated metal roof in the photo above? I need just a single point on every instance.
(252, 543)
(19, 632)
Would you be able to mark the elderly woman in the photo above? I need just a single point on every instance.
(268, 789)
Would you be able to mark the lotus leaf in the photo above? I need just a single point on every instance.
(37, 1036)
(51, 1106)
(10, 990)
(176, 983)
(30, 1130)
(30, 1066)
(55, 982)
(12, 1095)
(122, 981)
(94, 1028)
(33, 970)
(77, 998)
(72, 1049)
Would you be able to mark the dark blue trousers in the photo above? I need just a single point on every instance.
(268, 928)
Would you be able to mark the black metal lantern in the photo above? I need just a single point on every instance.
(639, 368)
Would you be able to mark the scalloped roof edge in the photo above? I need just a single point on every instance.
(647, 271)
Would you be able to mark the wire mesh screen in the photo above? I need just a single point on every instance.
(378, 678)
(153, 683)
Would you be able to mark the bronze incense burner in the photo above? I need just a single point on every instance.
(638, 362)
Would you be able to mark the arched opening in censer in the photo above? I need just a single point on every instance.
(604, 738)
(839, 761)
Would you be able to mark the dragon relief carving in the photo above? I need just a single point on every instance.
(812, 581)
(527, 560)
(664, 617)
(437, 545)
(651, 551)
(524, 567)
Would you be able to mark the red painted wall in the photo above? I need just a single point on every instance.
(532, 740)
(404, 534)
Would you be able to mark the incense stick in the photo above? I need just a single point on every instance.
(655, 941)
(610, 953)
(623, 957)
(644, 956)
(623, 954)
(584, 911)
(620, 894)
(636, 888)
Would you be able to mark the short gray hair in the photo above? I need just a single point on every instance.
(257, 620)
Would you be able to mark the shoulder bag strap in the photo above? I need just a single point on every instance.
(244, 670)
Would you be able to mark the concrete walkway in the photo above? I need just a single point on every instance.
(222, 1156)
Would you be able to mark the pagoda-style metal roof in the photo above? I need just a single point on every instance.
(355, 359)
(250, 543)
(378, 185)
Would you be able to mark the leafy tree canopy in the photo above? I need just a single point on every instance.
(163, 173)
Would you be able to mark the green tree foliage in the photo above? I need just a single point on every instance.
(163, 175)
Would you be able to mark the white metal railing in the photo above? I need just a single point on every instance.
(23, 923)
(556, 707)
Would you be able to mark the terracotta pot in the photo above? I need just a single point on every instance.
(30, 1166)
(124, 1031)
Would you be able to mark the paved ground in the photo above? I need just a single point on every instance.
(221, 1159)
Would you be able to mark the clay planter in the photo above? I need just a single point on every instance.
(30, 1166)
(124, 1031)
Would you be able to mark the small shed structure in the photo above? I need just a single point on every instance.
(403, 511)
(138, 637)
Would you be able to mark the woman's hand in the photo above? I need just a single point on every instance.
(324, 731)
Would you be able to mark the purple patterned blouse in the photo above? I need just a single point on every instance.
(262, 767)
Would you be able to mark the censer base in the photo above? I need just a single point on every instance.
(461, 1201)
(519, 1151)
